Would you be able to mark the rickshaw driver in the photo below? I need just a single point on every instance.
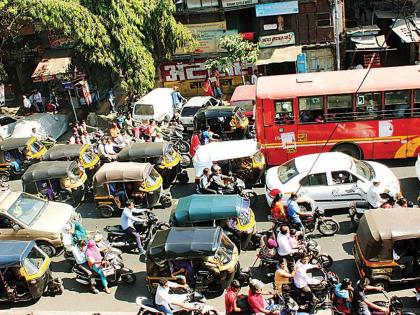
(163, 299)
(127, 224)
(361, 304)
(217, 178)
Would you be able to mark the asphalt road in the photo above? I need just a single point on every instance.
(78, 297)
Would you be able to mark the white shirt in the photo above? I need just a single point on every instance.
(109, 148)
(38, 97)
(26, 103)
(127, 217)
(284, 248)
(162, 296)
(101, 149)
(301, 278)
(254, 79)
(374, 196)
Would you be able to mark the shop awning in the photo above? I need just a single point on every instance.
(408, 30)
(369, 42)
(49, 69)
(278, 55)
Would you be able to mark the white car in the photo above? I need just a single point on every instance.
(418, 167)
(192, 106)
(7, 124)
(332, 179)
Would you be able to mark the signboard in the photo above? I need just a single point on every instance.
(277, 40)
(277, 8)
(67, 85)
(269, 27)
(237, 3)
(302, 66)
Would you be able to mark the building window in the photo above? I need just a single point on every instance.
(195, 4)
(397, 104)
(324, 19)
(284, 112)
(311, 109)
(339, 107)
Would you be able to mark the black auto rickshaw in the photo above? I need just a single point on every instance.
(16, 154)
(241, 158)
(228, 122)
(62, 181)
(162, 155)
(387, 246)
(208, 256)
(25, 273)
(82, 153)
(116, 182)
(231, 212)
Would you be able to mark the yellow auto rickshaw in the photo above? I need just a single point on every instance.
(117, 182)
(16, 154)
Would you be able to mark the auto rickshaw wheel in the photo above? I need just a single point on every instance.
(380, 283)
(106, 211)
(48, 249)
(4, 178)
(166, 201)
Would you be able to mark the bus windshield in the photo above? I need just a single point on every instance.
(364, 169)
(287, 171)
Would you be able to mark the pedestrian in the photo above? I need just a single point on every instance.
(254, 77)
(195, 142)
(206, 86)
(26, 104)
(32, 100)
(362, 10)
(38, 101)
(216, 83)
(111, 100)
(177, 99)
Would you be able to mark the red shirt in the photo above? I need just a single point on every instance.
(231, 298)
(256, 302)
(195, 143)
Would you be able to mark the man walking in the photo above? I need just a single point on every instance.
(38, 101)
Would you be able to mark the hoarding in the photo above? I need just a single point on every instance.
(277, 8)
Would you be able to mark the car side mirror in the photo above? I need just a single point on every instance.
(16, 227)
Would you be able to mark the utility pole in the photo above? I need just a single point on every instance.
(337, 33)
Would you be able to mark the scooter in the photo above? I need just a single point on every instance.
(147, 306)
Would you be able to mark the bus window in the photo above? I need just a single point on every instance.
(368, 105)
(310, 108)
(397, 104)
(416, 112)
(339, 107)
(284, 112)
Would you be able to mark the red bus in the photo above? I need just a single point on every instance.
(318, 112)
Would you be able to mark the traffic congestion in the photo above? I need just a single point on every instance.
(277, 200)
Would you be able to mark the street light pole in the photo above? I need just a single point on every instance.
(337, 33)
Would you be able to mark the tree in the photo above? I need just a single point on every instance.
(236, 50)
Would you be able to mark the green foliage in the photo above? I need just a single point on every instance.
(114, 40)
(236, 50)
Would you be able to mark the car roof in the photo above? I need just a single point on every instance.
(226, 150)
(197, 101)
(323, 161)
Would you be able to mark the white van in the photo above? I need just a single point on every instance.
(157, 105)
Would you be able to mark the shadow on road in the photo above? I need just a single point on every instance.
(348, 247)
(407, 185)
(129, 293)
(398, 162)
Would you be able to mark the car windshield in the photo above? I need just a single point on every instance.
(27, 209)
(246, 106)
(189, 111)
(153, 178)
(287, 171)
(34, 261)
(144, 109)
(364, 169)
(36, 147)
(245, 216)
(225, 251)
(88, 156)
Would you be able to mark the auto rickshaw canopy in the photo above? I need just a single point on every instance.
(13, 253)
(121, 172)
(142, 150)
(58, 152)
(223, 150)
(45, 170)
(215, 111)
(201, 208)
(14, 143)
(379, 228)
(185, 243)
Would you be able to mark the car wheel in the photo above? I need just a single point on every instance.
(47, 248)
(349, 149)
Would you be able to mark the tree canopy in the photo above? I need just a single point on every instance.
(113, 40)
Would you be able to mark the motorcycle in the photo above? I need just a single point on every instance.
(114, 271)
(176, 137)
(196, 300)
(393, 305)
(126, 242)
(325, 225)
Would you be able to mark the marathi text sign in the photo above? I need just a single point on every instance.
(237, 3)
(277, 40)
(277, 8)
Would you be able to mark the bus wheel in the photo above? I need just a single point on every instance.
(349, 149)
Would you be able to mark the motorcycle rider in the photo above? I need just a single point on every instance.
(163, 299)
(127, 224)
(217, 178)
(361, 304)
(343, 292)
(294, 213)
(205, 183)
(303, 281)
(231, 298)
(284, 248)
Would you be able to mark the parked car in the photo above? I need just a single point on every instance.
(192, 106)
(331, 179)
(7, 124)
(24, 217)
(47, 125)
(157, 104)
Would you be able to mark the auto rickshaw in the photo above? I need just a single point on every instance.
(208, 256)
(16, 154)
(387, 246)
(62, 181)
(231, 212)
(116, 182)
(82, 153)
(166, 160)
(242, 158)
(226, 121)
(25, 272)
